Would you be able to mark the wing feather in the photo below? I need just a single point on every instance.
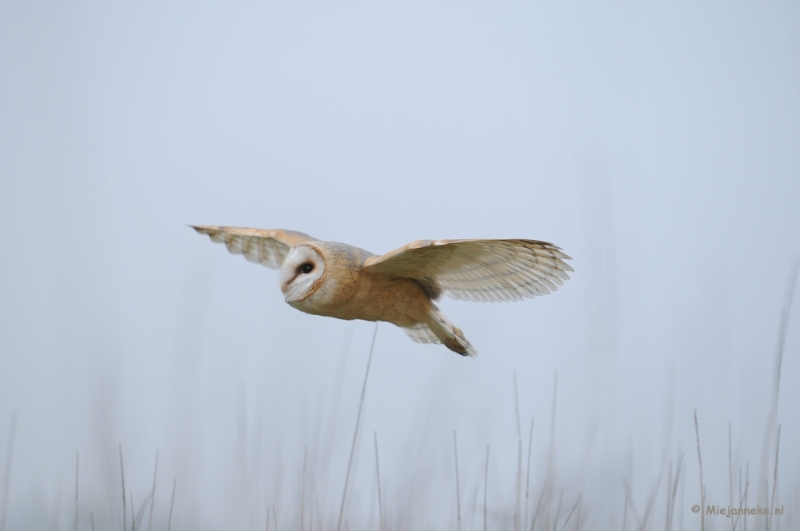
(267, 247)
(478, 270)
(420, 333)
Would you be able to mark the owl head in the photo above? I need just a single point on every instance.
(317, 276)
(301, 273)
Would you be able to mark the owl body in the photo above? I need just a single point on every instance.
(346, 291)
(338, 280)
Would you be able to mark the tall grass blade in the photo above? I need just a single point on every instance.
(672, 491)
(355, 433)
(774, 480)
(625, 512)
(153, 495)
(77, 462)
(124, 508)
(702, 487)
(518, 508)
(538, 506)
(528, 474)
(772, 419)
(12, 428)
(558, 508)
(730, 474)
(575, 506)
(548, 496)
(172, 504)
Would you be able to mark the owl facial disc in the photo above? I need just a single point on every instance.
(300, 273)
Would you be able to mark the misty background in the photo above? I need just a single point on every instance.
(657, 143)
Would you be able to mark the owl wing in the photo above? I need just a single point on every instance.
(477, 270)
(268, 247)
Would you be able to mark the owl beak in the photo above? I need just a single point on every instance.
(291, 296)
(290, 291)
(285, 287)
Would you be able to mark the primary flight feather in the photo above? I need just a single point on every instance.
(339, 280)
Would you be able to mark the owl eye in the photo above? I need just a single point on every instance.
(306, 268)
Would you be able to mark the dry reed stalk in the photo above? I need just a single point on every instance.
(774, 480)
(558, 508)
(625, 512)
(772, 420)
(528, 474)
(172, 503)
(669, 489)
(743, 495)
(730, 474)
(153, 495)
(702, 487)
(12, 428)
(575, 506)
(124, 508)
(518, 508)
(77, 463)
(548, 493)
(672, 490)
(538, 506)
(355, 432)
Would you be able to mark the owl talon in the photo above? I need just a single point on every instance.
(453, 344)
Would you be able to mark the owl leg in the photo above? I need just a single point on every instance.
(452, 336)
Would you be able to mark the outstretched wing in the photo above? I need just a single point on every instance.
(268, 247)
(477, 270)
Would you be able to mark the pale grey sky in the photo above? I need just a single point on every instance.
(658, 144)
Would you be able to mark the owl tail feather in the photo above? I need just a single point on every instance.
(449, 334)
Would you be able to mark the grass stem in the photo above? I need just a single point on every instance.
(77, 462)
(12, 428)
(355, 432)
(702, 487)
(774, 479)
(153, 495)
(124, 507)
(172, 503)
(528, 474)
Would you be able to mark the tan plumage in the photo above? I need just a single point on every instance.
(339, 280)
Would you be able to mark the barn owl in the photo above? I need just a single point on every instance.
(400, 287)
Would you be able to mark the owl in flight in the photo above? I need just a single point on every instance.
(400, 287)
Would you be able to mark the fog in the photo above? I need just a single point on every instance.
(658, 144)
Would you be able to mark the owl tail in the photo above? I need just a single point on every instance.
(449, 334)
